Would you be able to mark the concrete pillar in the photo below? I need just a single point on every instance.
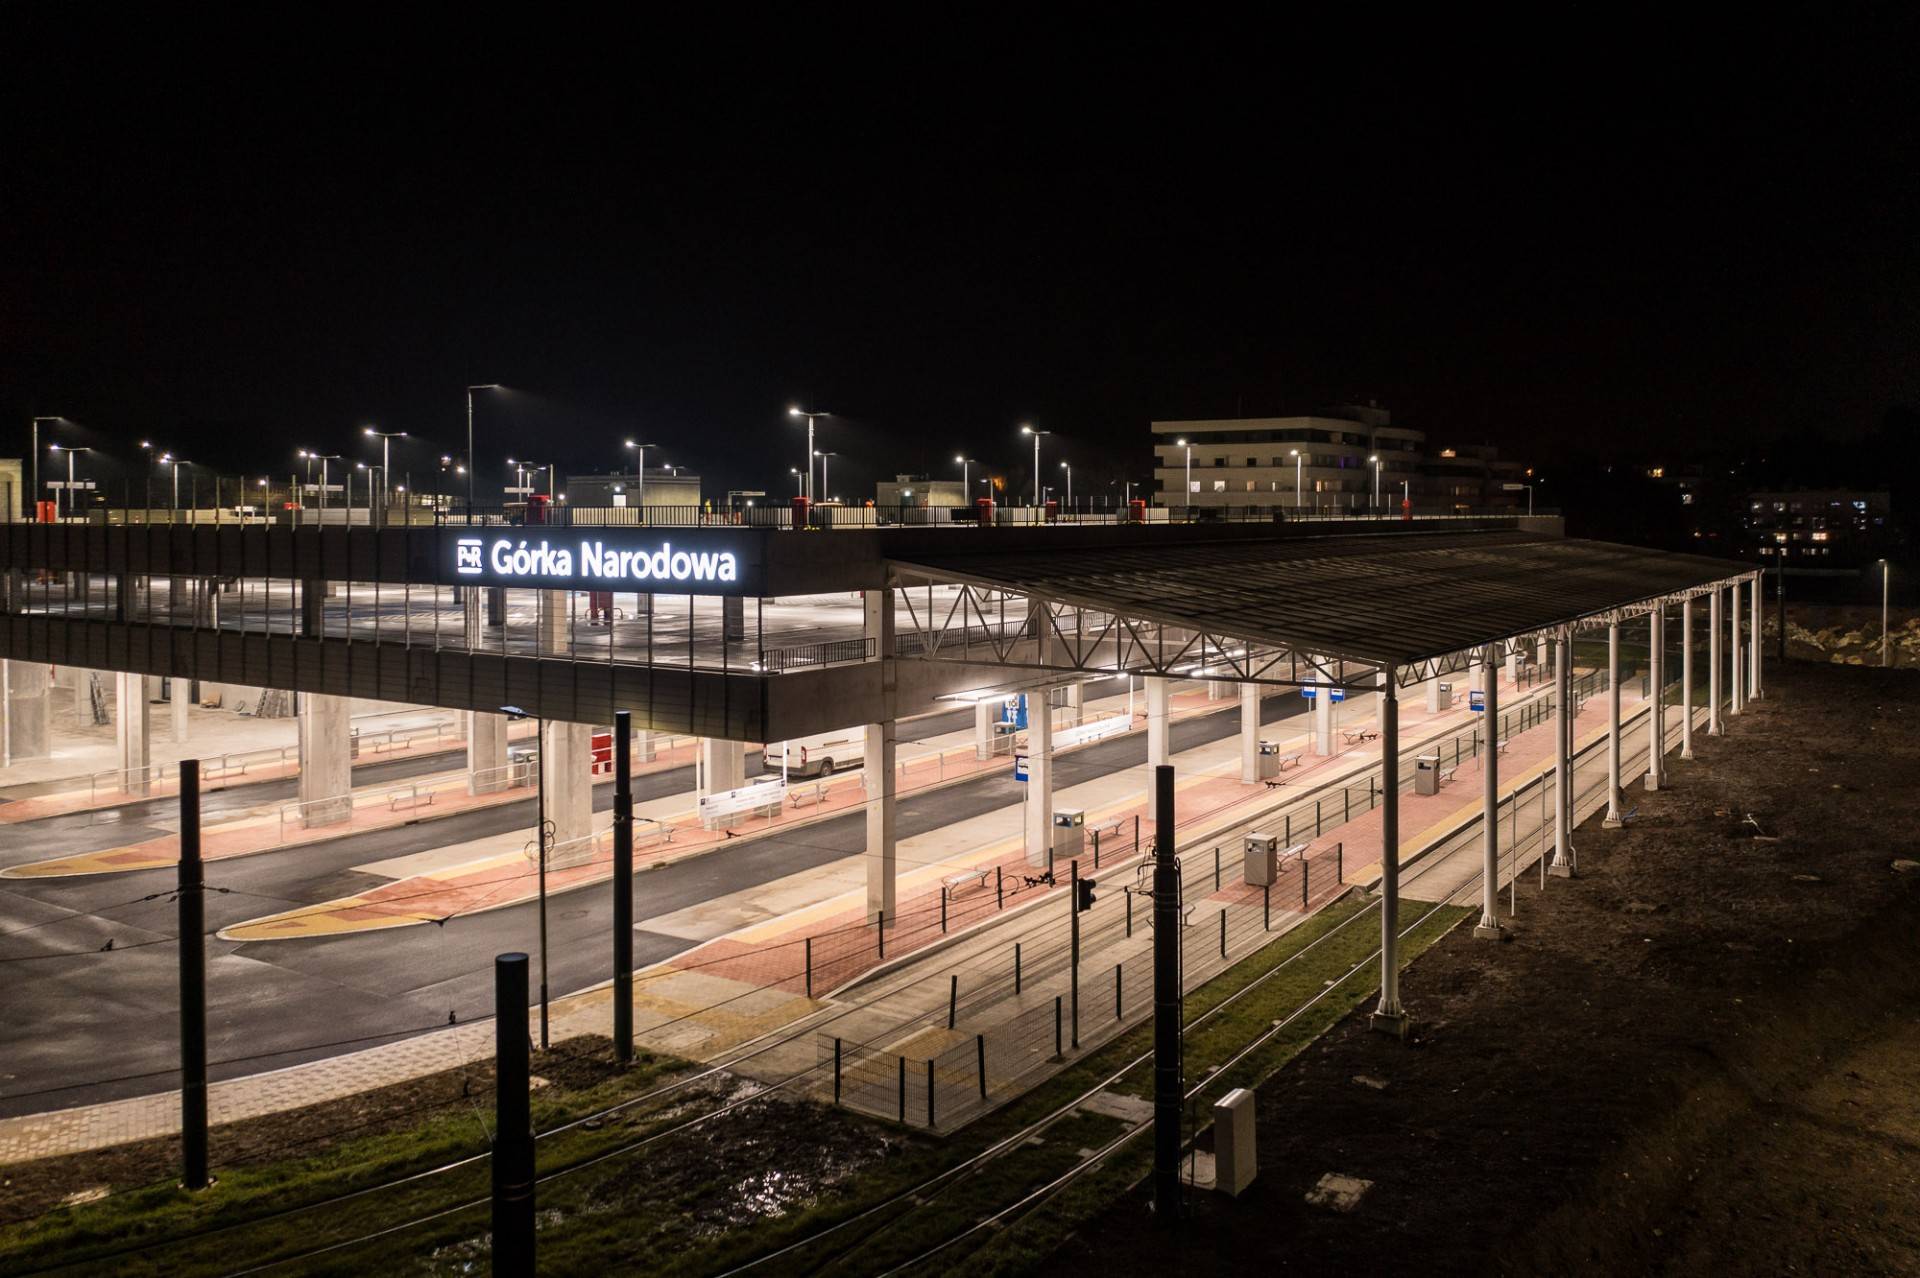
(1433, 695)
(486, 748)
(882, 780)
(1656, 697)
(472, 617)
(643, 747)
(1389, 1017)
(1323, 715)
(1563, 858)
(1076, 701)
(1714, 727)
(1612, 821)
(1157, 735)
(180, 702)
(566, 762)
(1489, 926)
(1249, 733)
(1513, 668)
(1039, 814)
(326, 763)
(313, 595)
(725, 764)
(983, 729)
(1686, 677)
(553, 620)
(1737, 689)
(1754, 646)
(29, 711)
(132, 732)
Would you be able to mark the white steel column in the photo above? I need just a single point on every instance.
(132, 730)
(1613, 727)
(1389, 1017)
(1249, 733)
(1563, 858)
(1714, 727)
(1039, 816)
(1656, 701)
(1737, 688)
(1753, 639)
(1157, 732)
(983, 729)
(882, 780)
(1323, 714)
(1490, 806)
(1686, 677)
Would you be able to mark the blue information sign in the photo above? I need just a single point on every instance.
(1477, 701)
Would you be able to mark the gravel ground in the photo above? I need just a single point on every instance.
(1700, 1056)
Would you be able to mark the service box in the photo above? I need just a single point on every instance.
(1268, 762)
(1426, 774)
(1069, 833)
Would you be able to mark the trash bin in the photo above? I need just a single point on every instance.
(1262, 864)
(1426, 774)
(1268, 762)
(1069, 833)
(521, 762)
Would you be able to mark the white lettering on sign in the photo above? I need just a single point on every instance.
(510, 558)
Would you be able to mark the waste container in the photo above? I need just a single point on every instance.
(1263, 856)
(1267, 765)
(1426, 774)
(521, 761)
(1069, 833)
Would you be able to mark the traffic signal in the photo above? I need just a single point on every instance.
(1082, 894)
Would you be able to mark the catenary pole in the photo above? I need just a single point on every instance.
(1167, 1065)
(193, 984)
(623, 886)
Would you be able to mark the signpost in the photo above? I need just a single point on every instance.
(1020, 768)
(1477, 701)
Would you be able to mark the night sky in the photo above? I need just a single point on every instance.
(1607, 236)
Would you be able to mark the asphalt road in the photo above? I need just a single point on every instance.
(97, 1027)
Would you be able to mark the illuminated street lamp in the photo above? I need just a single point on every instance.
(1186, 487)
(797, 411)
(1026, 429)
(1297, 462)
(386, 438)
(826, 489)
(640, 472)
(965, 462)
(70, 480)
(1069, 469)
(1374, 459)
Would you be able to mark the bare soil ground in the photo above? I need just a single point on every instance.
(1700, 1056)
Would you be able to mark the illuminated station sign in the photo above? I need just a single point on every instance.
(594, 560)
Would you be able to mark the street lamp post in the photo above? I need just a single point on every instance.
(70, 479)
(1186, 485)
(35, 481)
(965, 464)
(1298, 461)
(826, 489)
(1375, 460)
(540, 832)
(797, 411)
(386, 438)
(470, 465)
(799, 481)
(640, 474)
(1069, 469)
(1026, 429)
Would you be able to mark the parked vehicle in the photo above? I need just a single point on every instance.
(819, 756)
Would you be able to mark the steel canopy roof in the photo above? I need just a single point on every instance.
(1388, 598)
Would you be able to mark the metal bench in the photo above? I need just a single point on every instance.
(800, 796)
(1358, 736)
(976, 877)
(417, 799)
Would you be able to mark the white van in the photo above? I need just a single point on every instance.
(820, 756)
